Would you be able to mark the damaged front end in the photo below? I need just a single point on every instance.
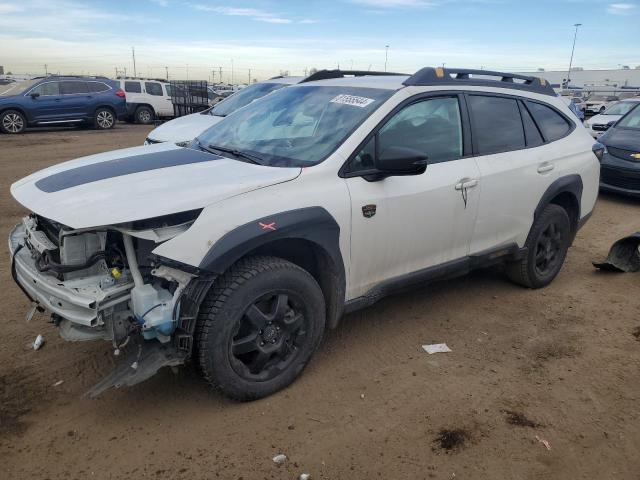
(104, 283)
(624, 255)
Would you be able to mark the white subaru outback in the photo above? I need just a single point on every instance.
(313, 201)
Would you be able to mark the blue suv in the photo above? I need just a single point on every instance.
(54, 100)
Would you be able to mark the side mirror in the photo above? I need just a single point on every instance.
(396, 160)
(34, 95)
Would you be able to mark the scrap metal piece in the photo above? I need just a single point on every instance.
(624, 256)
(138, 365)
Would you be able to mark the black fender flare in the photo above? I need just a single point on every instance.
(312, 224)
(568, 184)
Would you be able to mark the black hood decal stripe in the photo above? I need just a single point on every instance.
(122, 166)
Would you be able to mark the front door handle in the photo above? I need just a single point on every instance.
(545, 167)
(465, 183)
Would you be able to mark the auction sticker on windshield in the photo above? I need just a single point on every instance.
(353, 100)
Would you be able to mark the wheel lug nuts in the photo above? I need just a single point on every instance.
(278, 328)
(262, 344)
(273, 341)
(260, 332)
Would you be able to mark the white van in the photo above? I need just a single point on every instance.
(147, 100)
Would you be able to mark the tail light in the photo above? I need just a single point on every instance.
(120, 93)
(599, 150)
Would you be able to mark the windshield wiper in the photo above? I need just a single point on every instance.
(238, 153)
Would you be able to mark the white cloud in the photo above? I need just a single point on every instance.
(10, 8)
(396, 3)
(253, 13)
(621, 8)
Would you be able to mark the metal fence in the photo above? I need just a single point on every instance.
(188, 96)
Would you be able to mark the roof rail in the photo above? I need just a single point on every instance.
(458, 76)
(327, 74)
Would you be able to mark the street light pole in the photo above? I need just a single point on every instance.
(573, 49)
(386, 55)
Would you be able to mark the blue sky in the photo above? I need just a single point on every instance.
(269, 36)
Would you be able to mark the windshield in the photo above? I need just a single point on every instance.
(296, 126)
(620, 108)
(16, 88)
(599, 98)
(632, 120)
(244, 97)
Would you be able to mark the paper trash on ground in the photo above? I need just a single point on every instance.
(436, 348)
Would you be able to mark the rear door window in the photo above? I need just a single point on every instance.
(532, 134)
(132, 87)
(97, 87)
(73, 87)
(47, 89)
(497, 126)
(153, 88)
(552, 124)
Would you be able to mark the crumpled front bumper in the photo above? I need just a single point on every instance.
(80, 301)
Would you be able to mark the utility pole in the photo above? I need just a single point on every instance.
(45, 70)
(232, 71)
(213, 75)
(133, 53)
(166, 69)
(249, 77)
(575, 35)
(386, 56)
(187, 71)
(220, 68)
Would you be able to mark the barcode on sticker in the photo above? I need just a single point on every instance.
(353, 100)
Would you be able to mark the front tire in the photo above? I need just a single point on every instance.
(104, 119)
(547, 245)
(12, 121)
(258, 327)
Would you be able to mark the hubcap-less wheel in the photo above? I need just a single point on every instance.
(548, 249)
(104, 119)
(12, 122)
(268, 336)
(144, 116)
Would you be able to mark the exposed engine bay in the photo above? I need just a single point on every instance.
(105, 283)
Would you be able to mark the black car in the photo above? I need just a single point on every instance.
(620, 164)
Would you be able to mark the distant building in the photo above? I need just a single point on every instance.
(609, 79)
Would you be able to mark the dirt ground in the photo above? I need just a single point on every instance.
(558, 365)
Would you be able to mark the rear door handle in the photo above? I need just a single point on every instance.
(545, 167)
(466, 183)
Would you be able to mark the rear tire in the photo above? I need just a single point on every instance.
(547, 245)
(144, 115)
(104, 119)
(258, 327)
(12, 121)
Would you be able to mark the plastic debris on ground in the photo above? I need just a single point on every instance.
(436, 348)
(544, 442)
(58, 383)
(304, 476)
(38, 342)
(279, 459)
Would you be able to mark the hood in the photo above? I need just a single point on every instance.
(139, 183)
(183, 129)
(623, 138)
(601, 119)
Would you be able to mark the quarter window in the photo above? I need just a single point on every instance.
(71, 88)
(46, 89)
(132, 87)
(153, 88)
(97, 87)
(497, 126)
(552, 124)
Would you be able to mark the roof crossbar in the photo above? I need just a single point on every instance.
(430, 76)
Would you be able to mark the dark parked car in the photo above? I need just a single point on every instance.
(620, 169)
(53, 100)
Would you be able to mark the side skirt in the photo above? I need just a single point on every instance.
(451, 269)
